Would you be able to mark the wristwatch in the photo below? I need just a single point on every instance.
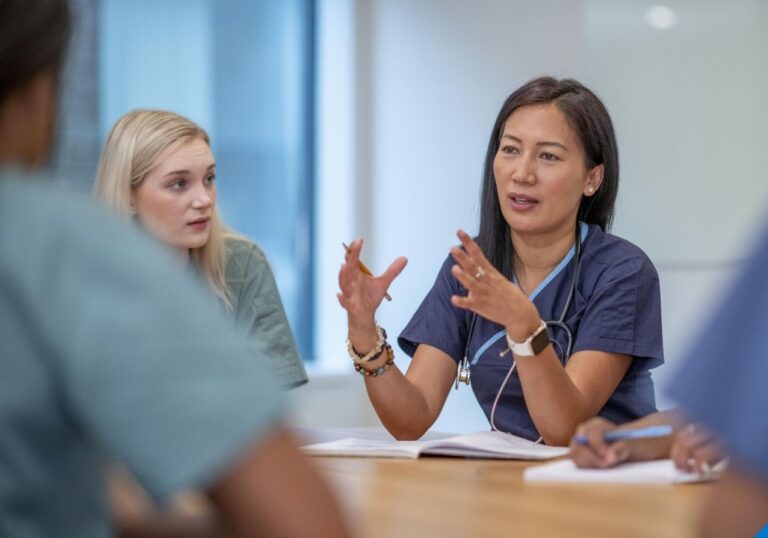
(533, 345)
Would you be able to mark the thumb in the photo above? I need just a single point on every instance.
(395, 268)
(618, 452)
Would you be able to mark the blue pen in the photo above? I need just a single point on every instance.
(621, 435)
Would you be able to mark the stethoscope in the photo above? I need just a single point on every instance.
(463, 374)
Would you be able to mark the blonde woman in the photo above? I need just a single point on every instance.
(157, 168)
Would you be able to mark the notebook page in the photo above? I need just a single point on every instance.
(646, 472)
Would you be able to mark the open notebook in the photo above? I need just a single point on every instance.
(473, 445)
(646, 472)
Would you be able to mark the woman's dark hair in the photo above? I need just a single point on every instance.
(589, 119)
(33, 37)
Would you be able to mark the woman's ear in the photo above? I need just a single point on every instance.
(594, 180)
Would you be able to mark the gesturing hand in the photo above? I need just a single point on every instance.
(360, 294)
(490, 294)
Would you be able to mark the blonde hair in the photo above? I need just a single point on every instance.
(130, 152)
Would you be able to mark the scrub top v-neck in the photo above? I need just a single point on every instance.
(616, 308)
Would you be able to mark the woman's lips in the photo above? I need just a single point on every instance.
(520, 202)
(199, 224)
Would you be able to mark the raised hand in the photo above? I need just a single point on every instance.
(490, 293)
(361, 294)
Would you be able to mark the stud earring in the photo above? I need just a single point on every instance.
(132, 211)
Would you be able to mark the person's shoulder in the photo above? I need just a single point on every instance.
(612, 252)
(246, 265)
(243, 252)
(51, 215)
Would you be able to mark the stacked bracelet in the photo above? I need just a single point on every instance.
(372, 355)
(376, 372)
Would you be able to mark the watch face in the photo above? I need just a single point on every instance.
(540, 342)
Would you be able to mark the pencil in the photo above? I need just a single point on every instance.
(365, 270)
(621, 435)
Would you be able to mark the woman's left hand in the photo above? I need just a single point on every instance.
(696, 449)
(489, 293)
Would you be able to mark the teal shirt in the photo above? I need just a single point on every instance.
(108, 352)
(259, 312)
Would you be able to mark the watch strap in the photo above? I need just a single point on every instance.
(533, 345)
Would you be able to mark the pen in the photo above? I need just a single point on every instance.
(365, 270)
(621, 435)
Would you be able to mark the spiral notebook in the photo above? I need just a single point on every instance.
(474, 445)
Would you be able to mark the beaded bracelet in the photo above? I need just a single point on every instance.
(373, 354)
(376, 372)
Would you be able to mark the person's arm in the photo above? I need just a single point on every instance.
(558, 399)
(136, 516)
(738, 506)
(272, 490)
(407, 405)
(259, 311)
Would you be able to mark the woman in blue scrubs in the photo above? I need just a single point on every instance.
(559, 320)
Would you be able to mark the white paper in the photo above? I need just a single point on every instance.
(646, 472)
(475, 445)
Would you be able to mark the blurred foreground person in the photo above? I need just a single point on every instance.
(724, 384)
(106, 353)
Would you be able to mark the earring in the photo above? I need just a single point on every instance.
(591, 189)
(132, 211)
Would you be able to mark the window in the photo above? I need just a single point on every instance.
(243, 70)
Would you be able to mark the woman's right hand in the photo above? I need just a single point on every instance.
(361, 294)
(596, 453)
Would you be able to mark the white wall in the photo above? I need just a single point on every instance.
(428, 78)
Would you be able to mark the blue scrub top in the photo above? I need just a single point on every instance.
(616, 309)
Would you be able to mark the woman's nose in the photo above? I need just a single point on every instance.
(202, 199)
(524, 171)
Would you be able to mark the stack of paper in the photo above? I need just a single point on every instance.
(646, 472)
(474, 445)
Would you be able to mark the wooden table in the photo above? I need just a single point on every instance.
(457, 497)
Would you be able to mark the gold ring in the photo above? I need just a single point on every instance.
(479, 273)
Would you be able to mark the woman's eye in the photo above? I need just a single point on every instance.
(209, 180)
(510, 150)
(178, 184)
(549, 157)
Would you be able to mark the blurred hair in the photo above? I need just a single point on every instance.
(130, 152)
(33, 38)
(589, 119)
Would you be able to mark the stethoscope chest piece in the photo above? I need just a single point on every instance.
(464, 373)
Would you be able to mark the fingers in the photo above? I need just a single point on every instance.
(394, 269)
(695, 450)
(473, 250)
(470, 258)
(594, 451)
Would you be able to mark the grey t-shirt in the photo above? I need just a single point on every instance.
(108, 351)
(259, 312)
